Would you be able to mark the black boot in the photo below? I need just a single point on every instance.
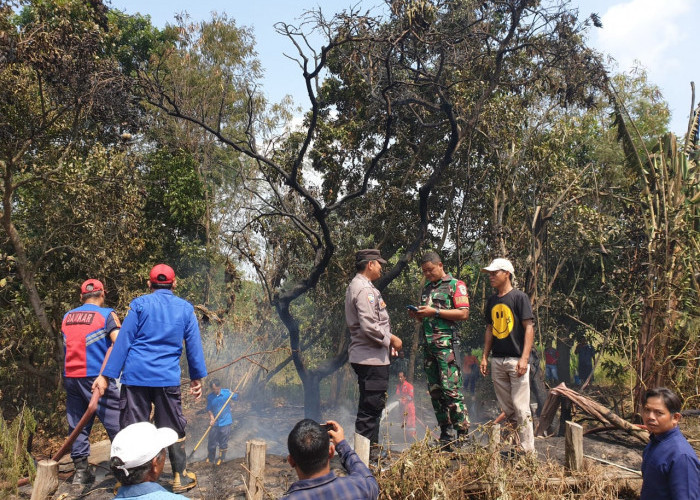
(463, 434)
(182, 480)
(82, 471)
(446, 437)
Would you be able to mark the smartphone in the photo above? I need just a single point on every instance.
(327, 427)
(412, 308)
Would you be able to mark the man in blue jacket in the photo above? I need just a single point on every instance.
(670, 466)
(147, 355)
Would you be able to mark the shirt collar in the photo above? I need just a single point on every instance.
(163, 290)
(666, 435)
(137, 490)
(446, 277)
(307, 484)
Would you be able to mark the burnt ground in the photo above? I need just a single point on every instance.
(272, 421)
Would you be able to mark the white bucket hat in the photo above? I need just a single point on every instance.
(139, 443)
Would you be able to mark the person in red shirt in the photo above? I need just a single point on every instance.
(404, 390)
(551, 357)
(470, 371)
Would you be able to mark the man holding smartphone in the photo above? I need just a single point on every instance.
(444, 302)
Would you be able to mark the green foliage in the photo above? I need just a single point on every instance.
(15, 459)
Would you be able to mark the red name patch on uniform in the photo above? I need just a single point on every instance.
(461, 297)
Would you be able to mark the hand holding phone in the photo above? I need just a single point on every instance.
(412, 308)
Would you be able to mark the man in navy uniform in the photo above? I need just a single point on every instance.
(147, 355)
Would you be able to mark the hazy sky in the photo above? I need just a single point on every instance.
(652, 33)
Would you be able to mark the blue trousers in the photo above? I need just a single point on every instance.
(78, 395)
(218, 436)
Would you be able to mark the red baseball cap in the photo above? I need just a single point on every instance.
(162, 274)
(89, 286)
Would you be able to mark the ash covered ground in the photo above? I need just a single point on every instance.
(272, 420)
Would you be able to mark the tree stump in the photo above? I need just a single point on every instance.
(255, 459)
(46, 480)
(574, 446)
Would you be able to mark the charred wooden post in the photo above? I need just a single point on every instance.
(46, 480)
(362, 448)
(574, 447)
(255, 459)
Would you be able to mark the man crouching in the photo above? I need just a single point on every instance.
(311, 447)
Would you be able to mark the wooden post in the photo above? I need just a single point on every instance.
(494, 448)
(255, 458)
(362, 448)
(574, 446)
(46, 480)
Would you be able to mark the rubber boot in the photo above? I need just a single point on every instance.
(82, 471)
(222, 456)
(182, 480)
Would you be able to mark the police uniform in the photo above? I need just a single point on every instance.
(86, 335)
(370, 337)
(440, 363)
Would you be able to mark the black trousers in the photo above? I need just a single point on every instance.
(373, 382)
(135, 406)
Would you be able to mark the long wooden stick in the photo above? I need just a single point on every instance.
(220, 412)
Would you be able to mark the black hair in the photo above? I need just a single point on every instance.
(136, 474)
(431, 257)
(670, 399)
(90, 295)
(308, 445)
(161, 286)
(361, 266)
(215, 382)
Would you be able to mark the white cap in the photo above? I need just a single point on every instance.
(500, 265)
(139, 443)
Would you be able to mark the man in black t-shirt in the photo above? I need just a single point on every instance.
(509, 338)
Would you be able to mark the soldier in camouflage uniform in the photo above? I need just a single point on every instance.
(444, 301)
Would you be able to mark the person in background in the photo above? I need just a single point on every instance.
(137, 458)
(89, 331)
(670, 466)
(311, 447)
(219, 400)
(551, 358)
(509, 338)
(404, 390)
(470, 371)
(147, 356)
(585, 360)
(371, 344)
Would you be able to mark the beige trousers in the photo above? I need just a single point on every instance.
(513, 395)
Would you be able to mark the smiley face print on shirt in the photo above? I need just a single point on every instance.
(503, 321)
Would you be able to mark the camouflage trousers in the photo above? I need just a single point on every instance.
(444, 383)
